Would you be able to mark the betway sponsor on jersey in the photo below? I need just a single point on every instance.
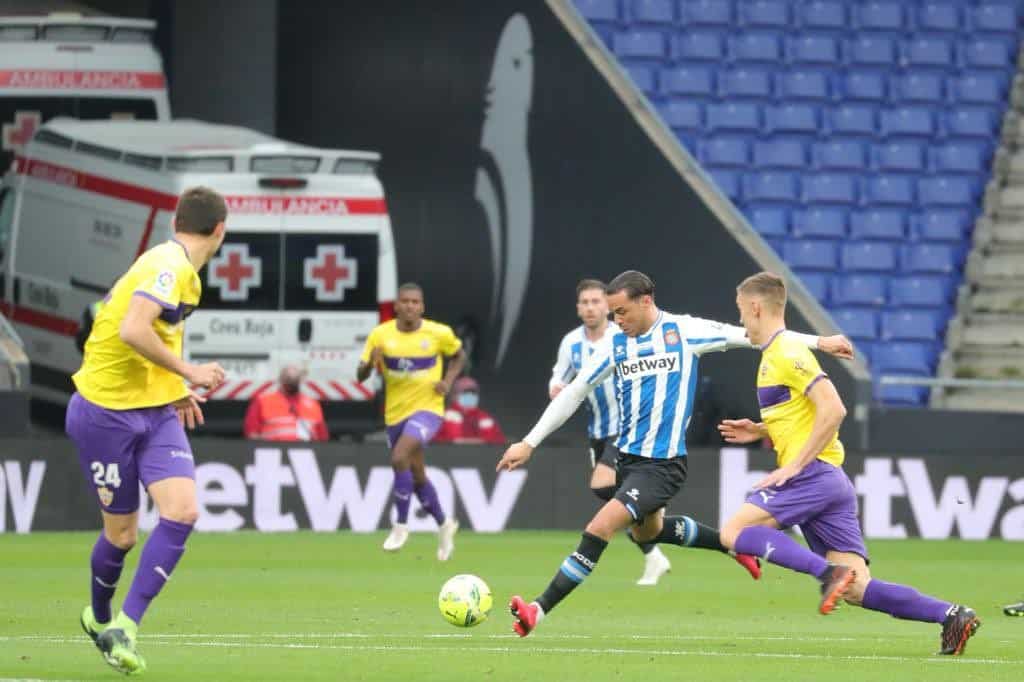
(659, 363)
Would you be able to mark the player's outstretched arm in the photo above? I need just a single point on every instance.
(742, 431)
(562, 372)
(138, 333)
(708, 336)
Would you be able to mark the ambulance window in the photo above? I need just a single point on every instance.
(6, 218)
(245, 274)
(75, 34)
(130, 35)
(330, 271)
(10, 34)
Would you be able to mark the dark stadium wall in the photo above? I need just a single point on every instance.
(410, 80)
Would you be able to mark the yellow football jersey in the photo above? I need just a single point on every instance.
(787, 372)
(412, 364)
(113, 375)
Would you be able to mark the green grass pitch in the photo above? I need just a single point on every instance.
(305, 606)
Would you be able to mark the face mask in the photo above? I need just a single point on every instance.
(290, 389)
(468, 400)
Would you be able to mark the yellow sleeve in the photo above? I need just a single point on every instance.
(799, 369)
(371, 343)
(163, 286)
(447, 343)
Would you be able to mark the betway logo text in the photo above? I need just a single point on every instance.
(20, 493)
(229, 498)
(659, 363)
(953, 512)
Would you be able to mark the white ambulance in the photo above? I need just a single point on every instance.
(85, 67)
(306, 271)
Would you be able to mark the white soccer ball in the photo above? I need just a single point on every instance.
(465, 601)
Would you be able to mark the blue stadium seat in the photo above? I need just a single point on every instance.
(598, 10)
(878, 224)
(769, 221)
(814, 49)
(907, 122)
(771, 186)
(904, 357)
(840, 155)
(824, 15)
(911, 325)
(881, 15)
(792, 118)
(857, 323)
(706, 13)
(682, 114)
(829, 188)
(979, 88)
(942, 225)
(733, 116)
(809, 85)
(961, 157)
(770, 14)
(655, 12)
(810, 255)
(900, 157)
(917, 292)
(927, 258)
(890, 190)
(933, 52)
(744, 83)
(853, 120)
(946, 190)
(864, 85)
(639, 45)
(756, 48)
(910, 396)
(939, 16)
(817, 283)
(918, 87)
(871, 51)
(991, 16)
(693, 81)
(725, 152)
(780, 154)
(963, 122)
(727, 180)
(698, 46)
(868, 257)
(644, 78)
(858, 290)
(983, 53)
(820, 222)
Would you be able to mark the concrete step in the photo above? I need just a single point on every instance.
(1008, 299)
(989, 333)
(970, 364)
(1001, 400)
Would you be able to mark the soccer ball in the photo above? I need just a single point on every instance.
(465, 601)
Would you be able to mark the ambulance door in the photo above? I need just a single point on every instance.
(330, 304)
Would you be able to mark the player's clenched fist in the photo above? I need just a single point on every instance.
(516, 456)
(208, 375)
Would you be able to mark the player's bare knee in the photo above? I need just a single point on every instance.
(185, 513)
(122, 538)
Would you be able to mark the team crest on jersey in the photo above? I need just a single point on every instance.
(799, 366)
(106, 496)
(164, 283)
(576, 358)
(671, 337)
(620, 351)
(424, 344)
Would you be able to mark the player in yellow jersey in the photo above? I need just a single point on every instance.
(801, 412)
(409, 352)
(128, 415)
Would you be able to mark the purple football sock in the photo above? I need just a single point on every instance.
(159, 557)
(778, 548)
(403, 495)
(107, 562)
(427, 496)
(901, 601)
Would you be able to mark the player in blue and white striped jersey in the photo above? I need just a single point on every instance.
(576, 348)
(653, 359)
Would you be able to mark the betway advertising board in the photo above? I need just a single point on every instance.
(284, 487)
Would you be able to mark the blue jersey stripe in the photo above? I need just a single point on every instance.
(713, 339)
(662, 446)
(597, 371)
(643, 424)
(691, 392)
(600, 421)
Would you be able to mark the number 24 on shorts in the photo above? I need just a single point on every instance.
(106, 475)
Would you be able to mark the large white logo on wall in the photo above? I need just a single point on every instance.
(504, 186)
(19, 489)
(233, 271)
(953, 512)
(225, 494)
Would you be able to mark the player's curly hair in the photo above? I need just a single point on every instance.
(633, 282)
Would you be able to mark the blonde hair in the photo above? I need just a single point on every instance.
(767, 286)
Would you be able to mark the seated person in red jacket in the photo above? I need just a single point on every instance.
(285, 413)
(464, 421)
